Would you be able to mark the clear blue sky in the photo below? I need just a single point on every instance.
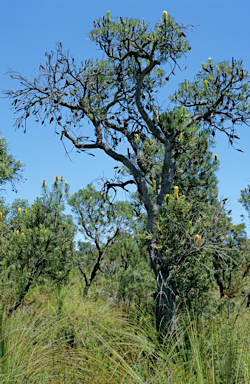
(29, 28)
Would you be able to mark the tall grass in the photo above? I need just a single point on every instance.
(61, 339)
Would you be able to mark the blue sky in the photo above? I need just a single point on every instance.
(29, 28)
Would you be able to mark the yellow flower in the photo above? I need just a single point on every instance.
(81, 188)
(22, 234)
(184, 109)
(226, 236)
(205, 82)
(19, 210)
(167, 198)
(90, 199)
(20, 163)
(17, 232)
(137, 138)
(55, 181)
(91, 186)
(32, 204)
(56, 177)
(67, 193)
(58, 207)
(61, 178)
(108, 14)
(215, 157)
(197, 240)
(43, 183)
(165, 15)
(203, 65)
(65, 182)
(181, 136)
(37, 198)
(210, 61)
(245, 87)
(240, 197)
(190, 223)
(1, 215)
(11, 239)
(154, 185)
(176, 190)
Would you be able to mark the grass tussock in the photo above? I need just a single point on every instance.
(61, 339)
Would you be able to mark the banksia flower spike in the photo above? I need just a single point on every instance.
(81, 188)
(167, 198)
(37, 198)
(25, 211)
(197, 240)
(32, 204)
(90, 199)
(154, 185)
(20, 163)
(215, 157)
(181, 136)
(184, 109)
(43, 183)
(66, 183)
(176, 190)
(61, 178)
(55, 181)
(137, 138)
(1, 215)
(210, 61)
(91, 186)
(19, 210)
(245, 87)
(17, 232)
(108, 13)
(205, 82)
(165, 15)
(56, 177)
(22, 234)
(203, 65)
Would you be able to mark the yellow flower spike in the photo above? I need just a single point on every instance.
(245, 87)
(67, 193)
(154, 185)
(17, 232)
(167, 198)
(108, 13)
(19, 210)
(176, 190)
(226, 236)
(196, 238)
(199, 241)
(185, 82)
(32, 204)
(90, 199)
(81, 188)
(43, 183)
(181, 136)
(37, 198)
(91, 186)
(240, 197)
(66, 183)
(61, 178)
(25, 211)
(22, 234)
(1, 215)
(137, 138)
(205, 82)
(215, 157)
(165, 15)
(56, 177)
(20, 163)
(107, 61)
(58, 207)
(11, 239)
(203, 65)
(190, 224)
(184, 109)
(55, 181)
(144, 252)
(210, 61)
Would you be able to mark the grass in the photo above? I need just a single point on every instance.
(55, 337)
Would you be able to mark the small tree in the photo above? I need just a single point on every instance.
(101, 222)
(118, 96)
(37, 242)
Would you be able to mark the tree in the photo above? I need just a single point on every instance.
(37, 242)
(101, 221)
(118, 96)
(9, 168)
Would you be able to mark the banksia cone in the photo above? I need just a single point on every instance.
(154, 185)
(25, 211)
(203, 65)
(245, 87)
(32, 204)
(61, 178)
(19, 210)
(181, 136)
(108, 13)
(17, 232)
(91, 186)
(144, 252)
(137, 138)
(66, 183)
(197, 240)
(67, 193)
(90, 199)
(81, 188)
(22, 234)
(210, 61)
(1, 215)
(55, 181)
(56, 177)
(205, 82)
(131, 237)
(167, 198)
(215, 157)
(165, 15)
(184, 109)
(37, 198)
(20, 163)
(43, 183)
(176, 190)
